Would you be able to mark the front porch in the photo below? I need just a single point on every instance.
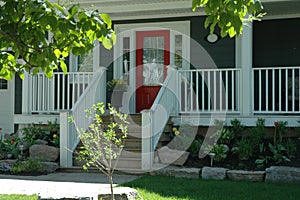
(195, 97)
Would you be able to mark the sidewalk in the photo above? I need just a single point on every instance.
(61, 185)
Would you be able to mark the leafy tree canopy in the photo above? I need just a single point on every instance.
(229, 15)
(26, 24)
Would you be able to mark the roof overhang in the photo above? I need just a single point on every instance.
(155, 9)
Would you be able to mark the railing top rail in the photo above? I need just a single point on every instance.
(270, 68)
(62, 73)
(205, 70)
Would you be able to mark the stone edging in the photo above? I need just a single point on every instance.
(271, 174)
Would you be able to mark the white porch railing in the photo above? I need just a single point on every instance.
(58, 93)
(209, 90)
(155, 119)
(69, 140)
(276, 90)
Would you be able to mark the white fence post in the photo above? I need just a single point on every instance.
(65, 153)
(147, 151)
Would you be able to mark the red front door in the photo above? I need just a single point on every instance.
(152, 57)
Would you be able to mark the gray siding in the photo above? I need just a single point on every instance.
(276, 43)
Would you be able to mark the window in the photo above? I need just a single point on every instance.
(3, 84)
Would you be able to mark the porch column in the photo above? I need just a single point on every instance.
(26, 92)
(147, 151)
(65, 152)
(244, 61)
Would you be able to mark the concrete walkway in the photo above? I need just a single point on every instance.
(61, 185)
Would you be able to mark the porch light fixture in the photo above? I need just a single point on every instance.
(212, 38)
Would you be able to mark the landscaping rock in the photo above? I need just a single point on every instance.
(39, 141)
(171, 156)
(48, 167)
(282, 174)
(239, 175)
(121, 193)
(215, 173)
(6, 165)
(178, 172)
(44, 152)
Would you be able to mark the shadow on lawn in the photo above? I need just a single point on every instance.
(160, 187)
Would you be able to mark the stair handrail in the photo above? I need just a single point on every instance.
(156, 118)
(95, 92)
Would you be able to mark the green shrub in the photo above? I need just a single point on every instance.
(220, 151)
(29, 165)
(195, 147)
(243, 148)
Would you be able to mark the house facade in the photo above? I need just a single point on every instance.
(173, 68)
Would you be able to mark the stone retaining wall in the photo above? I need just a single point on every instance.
(272, 174)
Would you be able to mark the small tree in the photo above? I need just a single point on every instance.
(102, 145)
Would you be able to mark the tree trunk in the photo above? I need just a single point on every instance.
(111, 186)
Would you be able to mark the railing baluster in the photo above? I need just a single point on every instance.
(215, 91)
(203, 84)
(185, 92)
(191, 91)
(226, 91)
(267, 90)
(286, 90)
(273, 90)
(68, 92)
(197, 92)
(259, 83)
(232, 91)
(221, 91)
(209, 91)
(63, 93)
(280, 99)
(293, 90)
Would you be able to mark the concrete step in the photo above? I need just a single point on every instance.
(133, 143)
(131, 153)
(129, 163)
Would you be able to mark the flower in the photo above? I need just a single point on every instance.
(176, 132)
(0, 129)
(12, 141)
(276, 124)
(54, 136)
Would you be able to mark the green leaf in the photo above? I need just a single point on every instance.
(57, 53)
(60, 8)
(73, 10)
(107, 20)
(63, 66)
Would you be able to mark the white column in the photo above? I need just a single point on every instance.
(96, 57)
(147, 152)
(26, 94)
(64, 145)
(244, 61)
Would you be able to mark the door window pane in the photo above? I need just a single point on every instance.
(153, 60)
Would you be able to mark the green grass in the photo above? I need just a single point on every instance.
(18, 197)
(170, 188)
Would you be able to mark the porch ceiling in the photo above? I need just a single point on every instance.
(142, 9)
(145, 9)
(282, 9)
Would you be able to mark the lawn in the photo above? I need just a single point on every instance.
(170, 188)
(18, 197)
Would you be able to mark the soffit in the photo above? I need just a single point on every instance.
(145, 9)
